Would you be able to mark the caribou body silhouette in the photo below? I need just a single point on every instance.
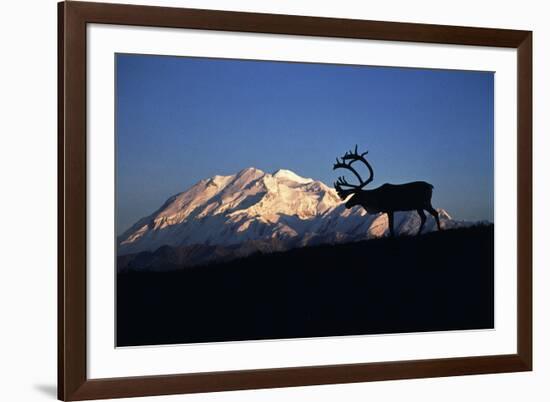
(388, 198)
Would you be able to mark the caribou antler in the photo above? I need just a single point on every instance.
(346, 163)
(353, 156)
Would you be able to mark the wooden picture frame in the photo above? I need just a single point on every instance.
(73, 382)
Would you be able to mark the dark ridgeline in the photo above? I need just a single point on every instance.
(434, 282)
(388, 198)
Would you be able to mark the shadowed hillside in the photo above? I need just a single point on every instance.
(438, 281)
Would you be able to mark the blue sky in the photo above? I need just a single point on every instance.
(179, 120)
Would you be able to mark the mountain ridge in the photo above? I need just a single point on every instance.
(251, 208)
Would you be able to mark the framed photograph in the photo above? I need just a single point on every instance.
(253, 200)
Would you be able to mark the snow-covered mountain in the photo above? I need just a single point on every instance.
(256, 211)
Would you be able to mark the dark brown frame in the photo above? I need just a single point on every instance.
(73, 383)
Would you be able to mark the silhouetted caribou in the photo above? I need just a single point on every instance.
(387, 198)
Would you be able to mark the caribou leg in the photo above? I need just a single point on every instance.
(390, 223)
(422, 220)
(432, 211)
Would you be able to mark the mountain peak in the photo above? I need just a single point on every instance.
(250, 169)
(290, 175)
(248, 175)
